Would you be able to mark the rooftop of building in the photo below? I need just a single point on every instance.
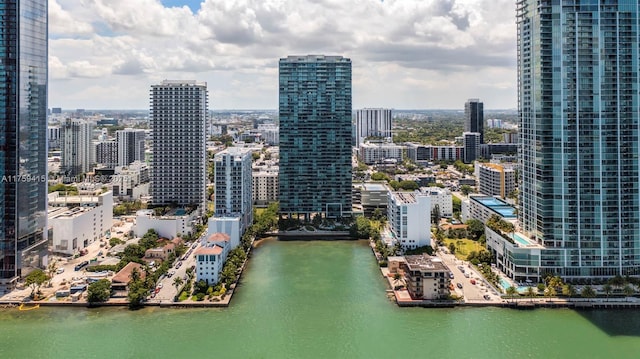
(213, 250)
(425, 262)
(124, 275)
(373, 186)
(497, 205)
(314, 58)
(218, 237)
(404, 197)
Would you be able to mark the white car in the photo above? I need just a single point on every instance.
(159, 286)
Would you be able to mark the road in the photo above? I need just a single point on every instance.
(470, 292)
(168, 290)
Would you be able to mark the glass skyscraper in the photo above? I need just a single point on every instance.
(315, 136)
(23, 141)
(578, 80)
(474, 117)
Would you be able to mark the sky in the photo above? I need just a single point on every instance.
(406, 54)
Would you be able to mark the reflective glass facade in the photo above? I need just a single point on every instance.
(578, 78)
(315, 135)
(23, 144)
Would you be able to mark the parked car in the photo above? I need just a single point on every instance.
(473, 281)
(60, 271)
(459, 285)
(486, 297)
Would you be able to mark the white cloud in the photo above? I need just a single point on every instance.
(402, 50)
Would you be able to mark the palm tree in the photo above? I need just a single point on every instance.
(511, 292)
(397, 277)
(550, 292)
(628, 290)
(177, 282)
(588, 292)
(530, 293)
(608, 289)
(568, 290)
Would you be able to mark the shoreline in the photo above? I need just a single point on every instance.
(515, 303)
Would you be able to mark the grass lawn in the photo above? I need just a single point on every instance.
(464, 247)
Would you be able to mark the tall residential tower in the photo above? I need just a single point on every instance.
(233, 185)
(178, 118)
(578, 82)
(474, 117)
(23, 139)
(315, 136)
(373, 122)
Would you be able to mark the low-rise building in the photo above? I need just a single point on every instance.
(440, 197)
(77, 221)
(372, 196)
(161, 253)
(426, 277)
(483, 207)
(426, 153)
(120, 282)
(375, 153)
(211, 256)
(173, 224)
(265, 186)
(409, 218)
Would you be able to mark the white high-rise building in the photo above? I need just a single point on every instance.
(178, 120)
(77, 147)
(233, 184)
(409, 217)
(372, 122)
(130, 146)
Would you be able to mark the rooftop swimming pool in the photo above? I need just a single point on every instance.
(520, 239)
(497, 205)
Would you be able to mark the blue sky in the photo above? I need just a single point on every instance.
(194, 5)
(406, 54)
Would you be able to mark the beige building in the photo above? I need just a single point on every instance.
(495, 179)
(426, 277)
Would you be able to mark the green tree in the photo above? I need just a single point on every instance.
(114, 241)
(379, 176)
(608, 289)
(466, 189)
(34, 280)
(550, 292)
(568, 290)
(99, 292)
(397, 277)
(361, 229)
(452, 248)
(530, 292)
(52, 268)
(511, 292)
(588, 292)
(475, 228)
(177, 282)
(628, 290)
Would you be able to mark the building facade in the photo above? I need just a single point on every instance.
(442, 198)
(76, 145)
(265, 186)
(378, 153)
(474, 117)
(471, 144)
(83, 220)
(425, 153)
(233, 184)
(496, 179)
(130, 146)
(578, 80)
(315, 136)
(409, 218)
(23, 139)
(373, 122)
(106, 153)
(178, 118)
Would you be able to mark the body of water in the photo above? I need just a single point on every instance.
(317, 299)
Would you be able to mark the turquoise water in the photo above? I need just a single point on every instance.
(518, 238)
(317, 300)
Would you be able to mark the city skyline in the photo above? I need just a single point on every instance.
(407, 54)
